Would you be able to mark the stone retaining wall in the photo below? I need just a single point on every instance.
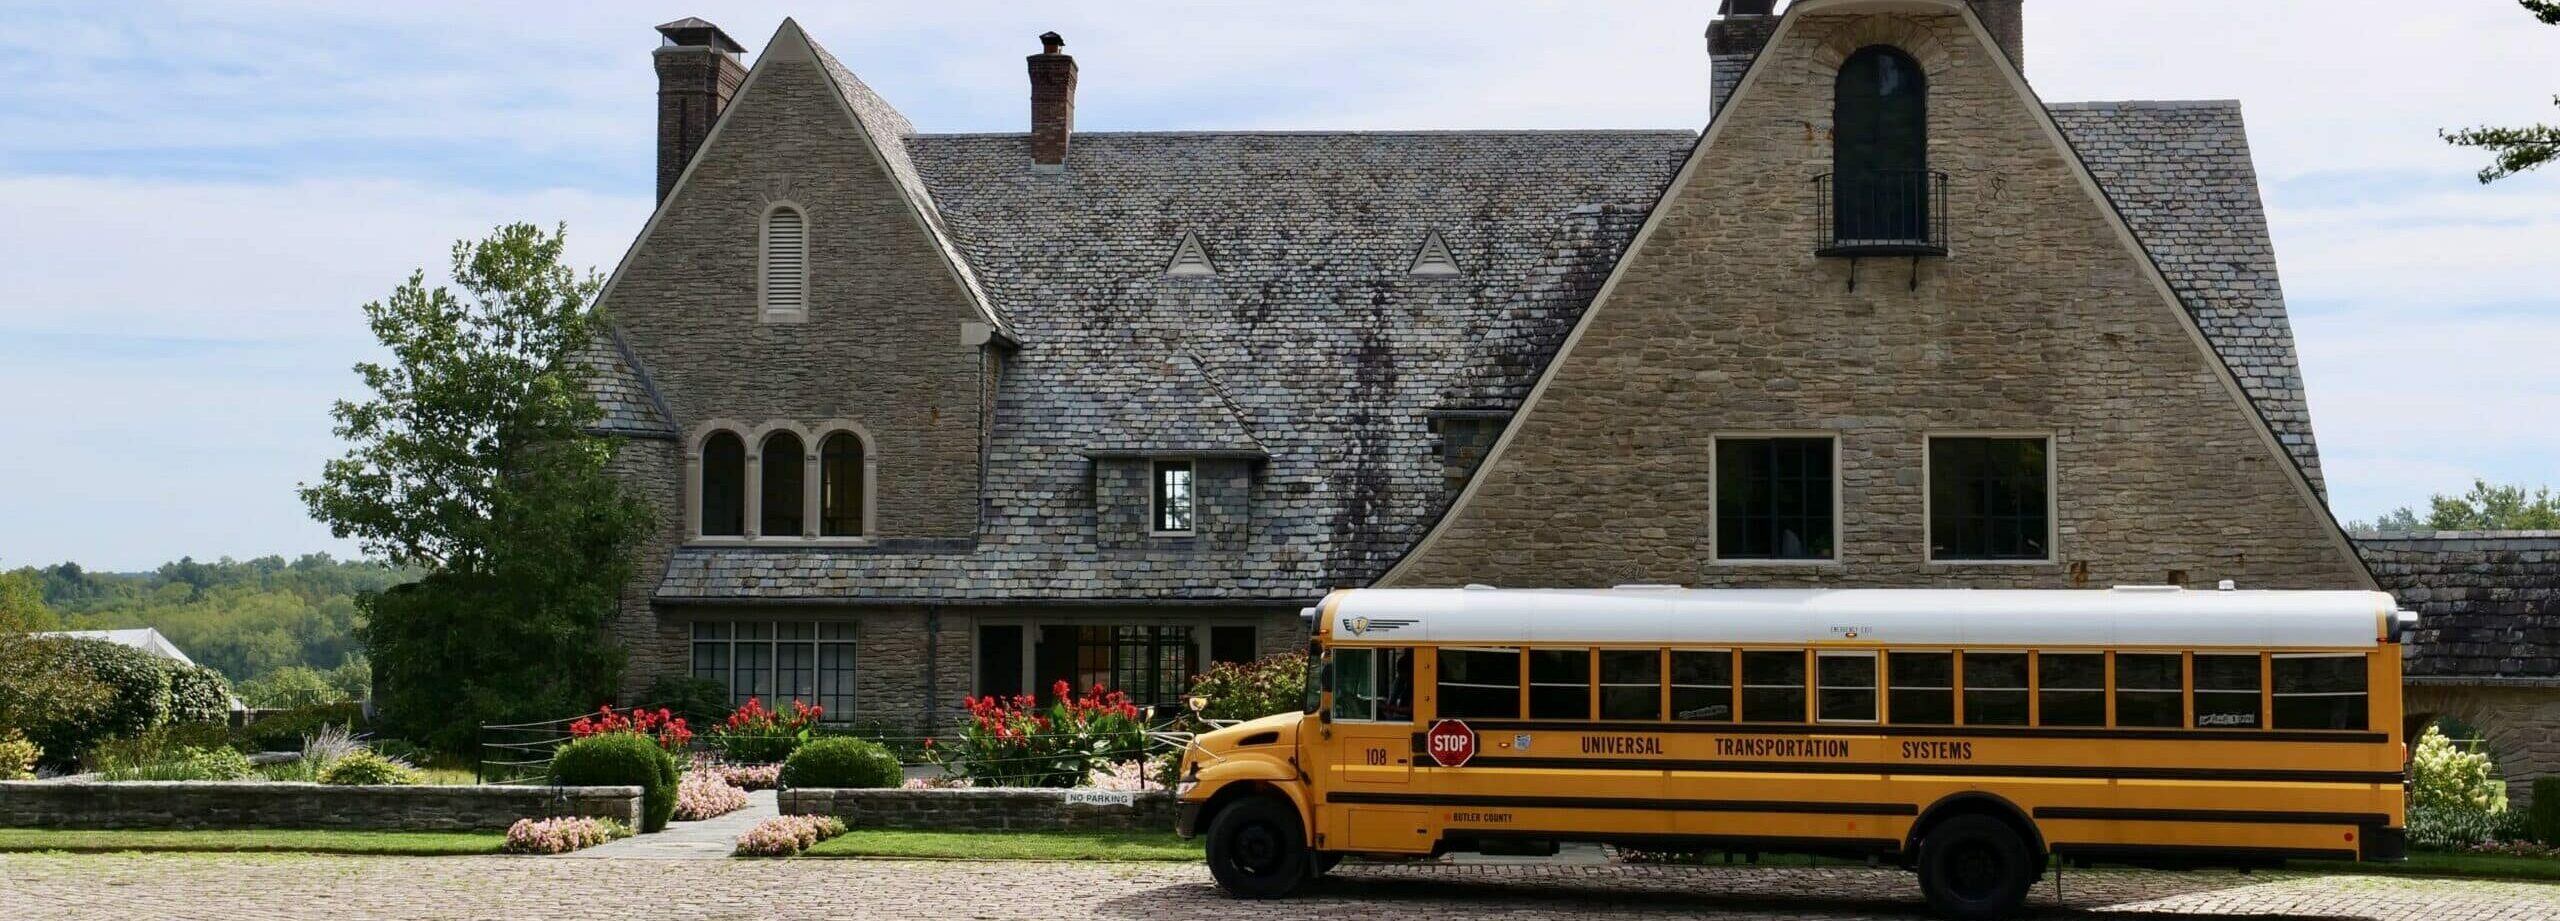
(983, 809)
(193, 804)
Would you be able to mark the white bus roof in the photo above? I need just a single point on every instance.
(2133, 616)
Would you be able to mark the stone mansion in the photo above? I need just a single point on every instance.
(932, 415)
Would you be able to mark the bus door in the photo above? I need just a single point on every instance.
(1372, 720)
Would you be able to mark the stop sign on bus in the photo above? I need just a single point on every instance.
(1450, 743)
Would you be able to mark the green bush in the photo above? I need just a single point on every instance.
(198, 694)
(217, 763)
(843, 763)
(2444, 776)
(2437, 828)
(1252, 690)
(284, 730)
(620, 759)
(2544, 819)
(364, 768)
(701, 701)
(17, 755)
(139, 701)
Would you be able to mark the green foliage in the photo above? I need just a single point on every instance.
(2516, 149)
(2444, 777)
(45, 696)
(2542, 822)
(284, 731)
(2484, 508)
(198, 694)
(177, 751)
(471, 460)
(22, 607)
(621, 759)
(17, 755)
(363, 767)
(137, 695)
(244, 619)
(701, 701)
(842, 763)
(1251, 690)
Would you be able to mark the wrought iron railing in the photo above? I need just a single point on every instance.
(1882, 213)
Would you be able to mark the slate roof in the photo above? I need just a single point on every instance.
(631, 406)
(1315, 346)
(2488, 603)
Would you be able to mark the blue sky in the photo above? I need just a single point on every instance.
(201, 194)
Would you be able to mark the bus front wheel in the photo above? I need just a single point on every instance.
(1975, 867)
(1257, 850)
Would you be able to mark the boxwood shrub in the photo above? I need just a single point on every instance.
(198, 694)
(363, 768)
(2543, 821)
(842, 762)
(621, 759)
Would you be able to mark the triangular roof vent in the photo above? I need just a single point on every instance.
(1189, 258)
(1434, 258)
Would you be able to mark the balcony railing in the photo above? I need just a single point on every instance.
(1883, 213)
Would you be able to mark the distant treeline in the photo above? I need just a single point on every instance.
(245, 618)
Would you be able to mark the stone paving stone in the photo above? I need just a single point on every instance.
(247, 888)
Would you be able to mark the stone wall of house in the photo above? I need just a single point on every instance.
(2043, 320)
(177, 804)
(2519, 723)
(984, 809)
(653, 469)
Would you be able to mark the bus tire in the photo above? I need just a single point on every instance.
(1975, 867)
(1326, 861)
(1257, 850)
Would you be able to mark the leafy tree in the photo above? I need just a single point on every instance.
(2485, 508)
(2517, 149)
(471, 461)
(22, 607)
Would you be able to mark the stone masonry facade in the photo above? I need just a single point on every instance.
(2041, 321)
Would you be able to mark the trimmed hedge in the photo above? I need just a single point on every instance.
(138, 681)
(617, 759)
(197, 694)
(841, 762)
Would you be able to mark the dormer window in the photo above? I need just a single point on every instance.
(783, 265)
(1170, 509)
(1189, 258)
(1882, 197)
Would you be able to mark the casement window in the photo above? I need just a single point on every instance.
(1702, 685)
(1995, 689)
(782, 492)
(1990, 499)
(783, 264)
(1479, 683)
(784, 487)
(1154, 664)
(1920, 688)
(1170, 505)
(1774, 499)
(2318, 691)
(2151, 689)
(1630, 684)
(1844, 687)
(2227, 691)
(840, 486)
(1773, 687)
(2071, 689)
(780, 661)
(724, 485)
(1559, 684)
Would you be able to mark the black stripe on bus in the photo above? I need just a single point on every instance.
(2239, 816)
(2199, 852)
(1937, 769)
(1613, 802)
(1891, 730)
(1680, 842)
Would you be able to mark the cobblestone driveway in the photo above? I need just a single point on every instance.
(240, 888)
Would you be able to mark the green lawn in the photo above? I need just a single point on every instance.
(2437, 863)
(1019, 845)
(290, 841)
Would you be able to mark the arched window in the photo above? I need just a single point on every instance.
(840, 486)
(785, 263)
(1880, 147)
(724, 485)
(784, 486)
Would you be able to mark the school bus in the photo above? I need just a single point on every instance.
(1971, 736)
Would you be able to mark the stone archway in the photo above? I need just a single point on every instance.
(2519, 724)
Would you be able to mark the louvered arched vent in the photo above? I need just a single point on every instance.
(786, 263)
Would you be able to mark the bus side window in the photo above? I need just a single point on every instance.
(1702, 685)
(1559, 684)
(2151, 689)
(1845, 687)
(1480, 683)
(1397, 676)
(1631, 684)
(1923, 688)
(1995, 689)
(2226, 691)
(2319, 691)
(1355, 684)
(1773, 686)
(2071, 689)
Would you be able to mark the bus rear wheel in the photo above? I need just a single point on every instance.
(1257, 850)
(1975, 867)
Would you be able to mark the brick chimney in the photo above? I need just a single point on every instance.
(1053, 103)
(1736, 36)
(698, 70)
(2007, 23)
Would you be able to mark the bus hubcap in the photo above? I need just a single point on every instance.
(1975, 871)
(1257, 849)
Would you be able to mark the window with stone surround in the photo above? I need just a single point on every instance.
(783, 493)
(1170, 503)
(1990, 499)
(800, 483)
(724, 486)
(840, 486)
(779, 661)
(1774, 499)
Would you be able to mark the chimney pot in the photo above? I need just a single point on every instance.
(698, 72)
(1734, 39)
(1053, 103)
(2006, 19)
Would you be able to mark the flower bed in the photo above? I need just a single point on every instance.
(786, 835)
(704, 794)
(561, 835)
(749, 776)
(1016, 742)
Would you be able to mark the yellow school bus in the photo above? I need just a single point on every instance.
(1971, 736)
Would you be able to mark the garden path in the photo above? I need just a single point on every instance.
(690, 840)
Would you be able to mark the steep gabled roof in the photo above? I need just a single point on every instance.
(622, 390)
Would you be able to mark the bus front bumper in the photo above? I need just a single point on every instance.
(1187, 822)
